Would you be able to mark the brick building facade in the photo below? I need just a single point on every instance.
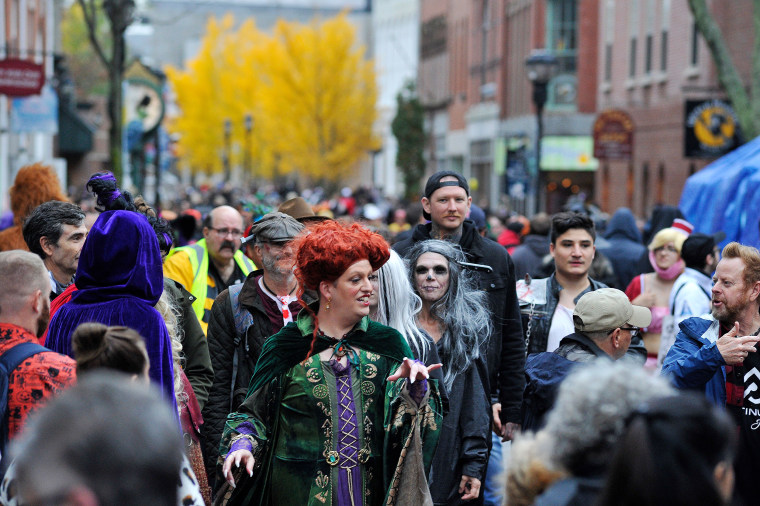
(656, 62)
(640, 56)
(27, 32)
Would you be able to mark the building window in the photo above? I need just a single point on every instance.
(644, 186)
(634, 28)
(608, 62)
(648, 55)
(480, 151)
(440, 152)
(632, 61)
(660, 182)
(694, 60)
(665, 28)
(433, 37)
(609, 37)
(562, 39)
(562, 32)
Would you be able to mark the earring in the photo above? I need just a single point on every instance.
(327, 306)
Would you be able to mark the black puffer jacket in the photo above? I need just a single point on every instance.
(221, 336)
(506, 349)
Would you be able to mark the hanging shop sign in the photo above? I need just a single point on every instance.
(613, 135)
(20, 78)
(711, 129)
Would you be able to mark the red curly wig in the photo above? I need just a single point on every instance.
(34, 184)
(327, 250)
(331, 247)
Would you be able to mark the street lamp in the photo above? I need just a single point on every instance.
(541, 66)
(226, 159)
(248, 143)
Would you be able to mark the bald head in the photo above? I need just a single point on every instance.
(22, 273)
(222, 212)
(223, 229)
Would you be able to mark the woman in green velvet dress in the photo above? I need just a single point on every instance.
(337, 411)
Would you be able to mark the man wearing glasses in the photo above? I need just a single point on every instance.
(605, 322)
(213, 264)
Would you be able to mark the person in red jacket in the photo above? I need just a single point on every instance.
(25, 304)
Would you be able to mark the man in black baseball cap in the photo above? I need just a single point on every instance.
(443, 179)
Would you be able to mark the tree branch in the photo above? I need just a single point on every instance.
(90, 18)
(755, 77)
(728, 76)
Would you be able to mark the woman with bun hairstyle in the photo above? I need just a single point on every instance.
(120, 348)
(337, 413)
(190, 338)
(97, 346)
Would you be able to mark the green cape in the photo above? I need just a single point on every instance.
(291, 345)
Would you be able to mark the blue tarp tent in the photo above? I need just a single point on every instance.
(725, 196)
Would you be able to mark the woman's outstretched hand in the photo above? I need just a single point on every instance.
(414, 370)
(237, 457)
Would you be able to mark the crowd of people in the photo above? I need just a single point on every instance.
(297, 349)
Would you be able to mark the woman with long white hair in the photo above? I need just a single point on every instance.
(394, 303)
(455, 314)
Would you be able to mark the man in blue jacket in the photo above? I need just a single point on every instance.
(717, 355)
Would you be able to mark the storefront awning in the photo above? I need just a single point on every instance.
(74, 134)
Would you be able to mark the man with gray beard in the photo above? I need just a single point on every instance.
(718, 355)
(244, 316)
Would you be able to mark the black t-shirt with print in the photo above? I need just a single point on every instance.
(747, 415)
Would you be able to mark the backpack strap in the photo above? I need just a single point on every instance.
(9, 361)
(243, 320)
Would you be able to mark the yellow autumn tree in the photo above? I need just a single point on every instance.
(219, 85)
(308, 88)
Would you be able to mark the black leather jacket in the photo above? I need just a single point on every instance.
(537, 310)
